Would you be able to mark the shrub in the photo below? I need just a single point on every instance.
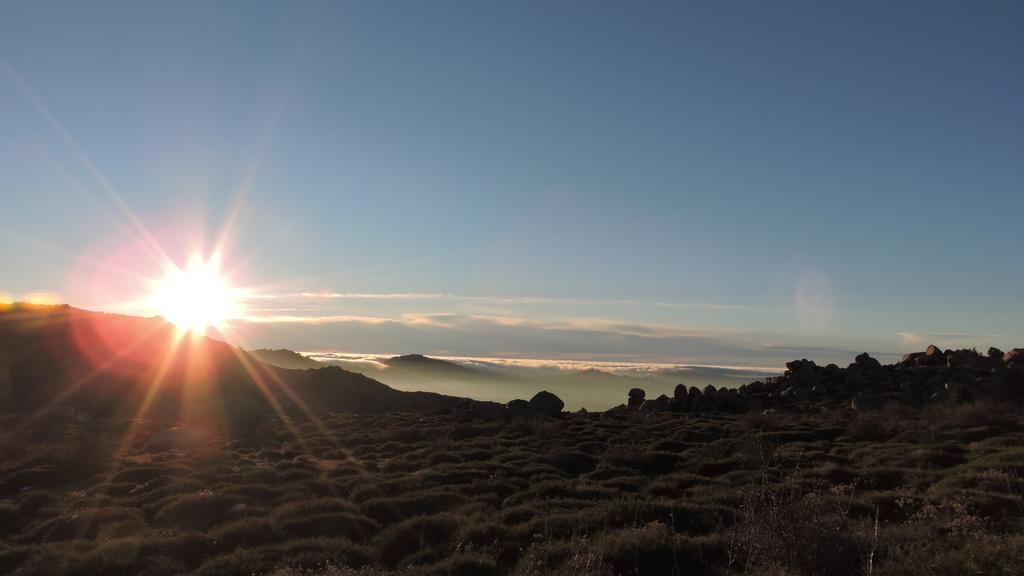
(654, 549)
(303, 556)
(572, 462)
(36, 502)
(782, 531)
(355, 527)
(85, 524)
(648, 462)
(190, 549)
(464, 564)
(246, 532)
(393, 509)
(199, 511)
(398, 542)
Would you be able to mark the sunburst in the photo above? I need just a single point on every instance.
(195, 298)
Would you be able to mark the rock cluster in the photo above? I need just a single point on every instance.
(543, 403)
(919, 378)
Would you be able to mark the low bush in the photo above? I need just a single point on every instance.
(199, 511)
(397, 543)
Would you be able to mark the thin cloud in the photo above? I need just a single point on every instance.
(919, 340)
(583, 339)
(566, 365)
(491, 299)
(332, 319)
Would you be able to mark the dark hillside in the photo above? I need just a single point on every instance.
(105, 365)
(283, 358)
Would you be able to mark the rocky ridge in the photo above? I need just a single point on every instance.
(933, 376)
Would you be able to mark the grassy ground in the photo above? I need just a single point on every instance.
(907, 492)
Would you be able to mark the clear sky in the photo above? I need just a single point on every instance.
(736, 182)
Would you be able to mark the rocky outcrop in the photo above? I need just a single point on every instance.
(919, 378)
(659, 404)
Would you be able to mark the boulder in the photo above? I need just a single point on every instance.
(545, 402)
(694, 400)
(969, 359)
(518, 407)
(996, 353)
(911, 359)
(933, 356)
(803, 373)
(867, 361)
(476, 409)
(660, 404)
(616, 411)
(680, 394)
(800, 365)
(1014, 358)
(636, 396)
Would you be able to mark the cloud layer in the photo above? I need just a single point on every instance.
(480, 335)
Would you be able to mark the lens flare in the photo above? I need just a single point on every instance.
(196, 298)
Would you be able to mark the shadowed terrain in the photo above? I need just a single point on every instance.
(231, 466)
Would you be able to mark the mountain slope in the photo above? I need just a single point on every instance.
(283, 358)
(103, 364)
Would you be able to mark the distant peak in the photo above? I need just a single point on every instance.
(421, 362)
(415, 359)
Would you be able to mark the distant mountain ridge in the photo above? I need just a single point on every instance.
(284, 358)
(113, 365)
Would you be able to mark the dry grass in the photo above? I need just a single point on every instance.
(894, 492)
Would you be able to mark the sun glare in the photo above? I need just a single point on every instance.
(196, 298)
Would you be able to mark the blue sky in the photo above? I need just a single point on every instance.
(734, 182)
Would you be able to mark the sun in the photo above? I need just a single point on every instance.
(195, 298)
